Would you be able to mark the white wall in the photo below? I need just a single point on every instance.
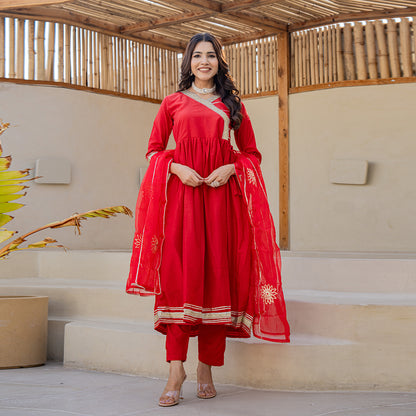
(374, 123)
(264, 115)
(104, 138)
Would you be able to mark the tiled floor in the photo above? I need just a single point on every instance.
(58, 391)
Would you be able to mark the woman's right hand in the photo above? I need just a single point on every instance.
(186, 174)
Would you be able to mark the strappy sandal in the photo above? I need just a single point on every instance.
(202, 391)
(172, 397)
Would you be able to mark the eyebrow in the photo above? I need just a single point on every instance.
(201, 52)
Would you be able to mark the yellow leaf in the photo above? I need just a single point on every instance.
(5, 162)
(10, 197)
(4, 219)
(11, 189)
(43, 243)
(5, 235)
(14, 174)
(13, 182)
(9, 206)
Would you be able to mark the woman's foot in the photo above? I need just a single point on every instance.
(173, 390)
(206, 389)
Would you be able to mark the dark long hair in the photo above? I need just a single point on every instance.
(224, 84)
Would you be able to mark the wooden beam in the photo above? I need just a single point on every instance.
(236, 5)
(265, 23)
(13, 4)
(283, 82)
(80, 88)
(354, 83)
(212, 5)
(165, 21)
(69, 17)
(352, 17)
(229, 40)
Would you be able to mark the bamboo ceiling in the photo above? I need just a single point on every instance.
(170, 23)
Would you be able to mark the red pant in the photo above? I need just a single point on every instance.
(211, 343)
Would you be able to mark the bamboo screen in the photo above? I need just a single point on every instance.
(253, 65)
(44, 51)
(354, 51)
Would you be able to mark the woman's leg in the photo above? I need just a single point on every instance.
(211, 349)
(177, 340)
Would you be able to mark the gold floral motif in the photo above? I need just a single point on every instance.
(268, 294)
(138, 241)
(251, 177)
(155, 243)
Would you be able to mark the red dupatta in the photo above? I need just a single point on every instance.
(270, 312)
(270, 321)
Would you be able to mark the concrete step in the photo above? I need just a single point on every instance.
(337, 272)
(307, 363)
(358, 317)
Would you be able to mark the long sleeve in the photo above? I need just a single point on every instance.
(162, 127)
(244, 136)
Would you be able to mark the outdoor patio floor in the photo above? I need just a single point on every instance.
(55, 390)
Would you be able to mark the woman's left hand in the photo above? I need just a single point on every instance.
(220, 175)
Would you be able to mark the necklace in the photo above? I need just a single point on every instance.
(203, 90)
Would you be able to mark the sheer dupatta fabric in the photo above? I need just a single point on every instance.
(144, 278)
(270, 321)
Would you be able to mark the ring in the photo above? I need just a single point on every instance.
(215, 184)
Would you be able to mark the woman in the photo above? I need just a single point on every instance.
(205, 240)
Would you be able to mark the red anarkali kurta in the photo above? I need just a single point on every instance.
(207, 268)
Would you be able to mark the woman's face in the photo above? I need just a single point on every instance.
(204, 63)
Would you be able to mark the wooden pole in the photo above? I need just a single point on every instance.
(283, 72)
(51, 52)
(74, 74)
(90, 60)
(96, 42)
(393, 48)
(330, 58)
(360, 51)
(110, 71)
(340, 56)
(307, 60)
(405, 47)
(316, 55)
(79, 56)
(371, 50)
(312, 53)
(20, 64)
(40, 51)
(348, 53)
(326, 57)
(60, 52)
(334, 52)
(141, 69)
(2, 48)
(383, 54)
(12, 73)
(67, 49)
(321, 56)
(303, 58)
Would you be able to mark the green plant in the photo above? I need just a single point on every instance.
(14, 182)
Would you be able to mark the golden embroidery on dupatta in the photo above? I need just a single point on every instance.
(138, 241)
(268, 294)
(155, 244)
(251, 177)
